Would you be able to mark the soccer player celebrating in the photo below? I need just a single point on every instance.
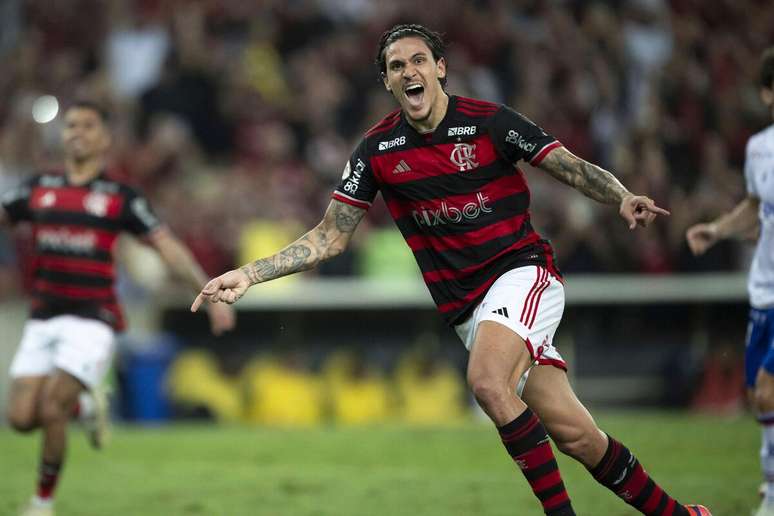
(446, 167)
(68, 342)
(755, 214)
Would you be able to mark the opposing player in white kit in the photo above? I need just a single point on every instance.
(69, 340)
(755, 214)
(446, 167)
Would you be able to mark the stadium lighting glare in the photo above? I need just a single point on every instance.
(45, 109)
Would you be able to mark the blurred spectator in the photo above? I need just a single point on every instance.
(248, 113)
(430, 390)
(358, 391)
(283, 392)
(197, 387)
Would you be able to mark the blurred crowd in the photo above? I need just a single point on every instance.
(236, 117)
(291, 385)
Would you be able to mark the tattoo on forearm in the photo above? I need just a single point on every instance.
(322, 242)
(589, 179)
(294, 258)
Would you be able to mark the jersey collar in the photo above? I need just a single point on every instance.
(437, 136)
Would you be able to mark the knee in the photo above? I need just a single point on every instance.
(489, 392)
(763, 393)
(21, 421)
(763, 398)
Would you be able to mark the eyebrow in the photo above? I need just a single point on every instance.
(399, 60)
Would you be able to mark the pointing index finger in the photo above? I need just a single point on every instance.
(655, 209)
(197, 302)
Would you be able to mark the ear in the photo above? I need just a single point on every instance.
(767, 96)
(386, 82)
(441, 67)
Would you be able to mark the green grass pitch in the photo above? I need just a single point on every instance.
(375, 471)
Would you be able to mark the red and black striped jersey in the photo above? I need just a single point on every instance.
(456, 195)
(75, 228)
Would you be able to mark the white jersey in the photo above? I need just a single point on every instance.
(759, 174)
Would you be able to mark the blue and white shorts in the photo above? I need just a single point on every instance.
(759, 350)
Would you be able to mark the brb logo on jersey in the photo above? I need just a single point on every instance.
(401, 140)
(468, 130)
(446, 214)
(463, 156)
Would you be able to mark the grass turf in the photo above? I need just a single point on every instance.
(375, 471)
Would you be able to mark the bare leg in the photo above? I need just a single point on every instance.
(763, 393)
(575, 433)
(60, 395)
(498, 357)
(762, 398)
(570, 425)
(24, 402)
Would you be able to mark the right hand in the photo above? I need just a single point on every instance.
(701, 237)
(226, 288)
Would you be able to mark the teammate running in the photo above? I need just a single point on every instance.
(68, 342)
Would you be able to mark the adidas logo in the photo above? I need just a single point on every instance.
(401, 167)
(502, 311)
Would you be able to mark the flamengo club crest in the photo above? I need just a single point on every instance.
(463, 156)
(96, 203)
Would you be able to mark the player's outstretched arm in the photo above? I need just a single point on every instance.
(600, 185)
(742, 220)
(326, 240)
(183, 265)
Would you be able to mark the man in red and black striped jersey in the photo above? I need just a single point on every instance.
(68, 342)
(447, 168)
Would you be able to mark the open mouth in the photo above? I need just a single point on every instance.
(415, 93)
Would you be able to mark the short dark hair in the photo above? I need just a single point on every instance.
(767, 68)
(98, 108)
(434, 41)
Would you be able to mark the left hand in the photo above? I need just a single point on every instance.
(222, 318)
(639, 210)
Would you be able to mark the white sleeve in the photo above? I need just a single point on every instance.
(750, 165)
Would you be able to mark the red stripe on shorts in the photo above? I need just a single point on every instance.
(543, 287)
(529, 302)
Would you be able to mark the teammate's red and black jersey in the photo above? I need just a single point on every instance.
(456, 195)
(75, 228)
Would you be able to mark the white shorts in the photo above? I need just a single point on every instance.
(528, 300)
(79, 346)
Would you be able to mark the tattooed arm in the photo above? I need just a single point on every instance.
(328, 239)
(600, 185)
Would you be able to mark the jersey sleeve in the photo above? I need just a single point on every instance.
(358, 186)
(750, 163)
(139, 217)
(516, 137)
(16, 201)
